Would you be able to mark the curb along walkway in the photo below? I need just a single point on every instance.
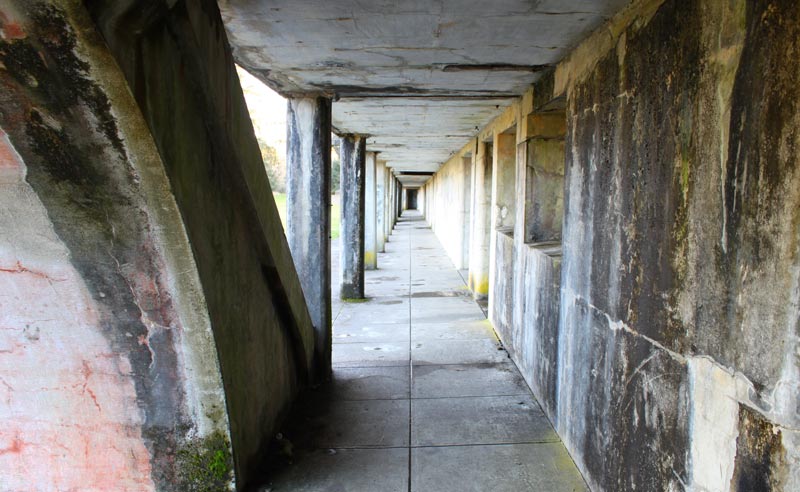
(424, 398)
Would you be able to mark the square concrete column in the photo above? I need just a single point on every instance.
(308, 212)
(481, 222)
(503, 209)
(371, 213)
(390, 205)
(387, 205)
(352, 177)
(380, 204)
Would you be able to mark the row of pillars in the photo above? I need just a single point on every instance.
(370, 206)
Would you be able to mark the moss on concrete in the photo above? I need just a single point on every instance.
(205, 464)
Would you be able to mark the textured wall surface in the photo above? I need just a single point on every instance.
(681, 244)
(179, 67)
(150, 269)
(108, 368)
(664, 343)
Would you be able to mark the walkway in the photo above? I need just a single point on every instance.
(424, 398)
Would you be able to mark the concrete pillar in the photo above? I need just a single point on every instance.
(481, 222)
(504, 174)
(466, 209)
(387, 205)
(308, 221)
(353, 161)
(401, 198)
(371, 213)
(380, 200)
(393, 205)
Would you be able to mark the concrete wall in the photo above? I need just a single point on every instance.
(447, 204)
(142, 260)
(664, 343)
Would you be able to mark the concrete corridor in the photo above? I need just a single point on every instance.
(424, 398)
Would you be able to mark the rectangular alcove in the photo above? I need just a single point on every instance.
(544, 187)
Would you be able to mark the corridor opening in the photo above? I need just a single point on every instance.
(411, 199)
(423, 396)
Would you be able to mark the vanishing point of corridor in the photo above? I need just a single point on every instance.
(424, 397)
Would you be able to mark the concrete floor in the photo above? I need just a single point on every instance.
(424, 398)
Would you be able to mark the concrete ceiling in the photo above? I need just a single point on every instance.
(418, 76)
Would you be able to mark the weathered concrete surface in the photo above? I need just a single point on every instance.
(501, 298)
(308, 213)
(667, 356)
(543, 178)
(108, 367)
(351, 263)
(380, 205)
(501, 227)
(371, 212)
(447, 198)
(179, 68)
(681, 236)
(458, 63)
(481, 221)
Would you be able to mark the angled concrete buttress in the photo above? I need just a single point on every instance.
(308, 212)
(353, 158)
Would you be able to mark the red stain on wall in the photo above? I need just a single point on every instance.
(10, 30)
(67, 402)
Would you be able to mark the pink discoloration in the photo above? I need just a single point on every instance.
(10, 30)
(16, 446)
(18, 268)
(67, 402)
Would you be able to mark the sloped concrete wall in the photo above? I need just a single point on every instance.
(143, 263)
(179, 66)
(108, 364)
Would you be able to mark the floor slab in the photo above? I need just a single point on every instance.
(368, 383)
(454, 330)
(373, 332)
(467, 380)
(457, 351)
(483, 420)
(504, 468)
(370, 354)
(351, 470)
(354, 424)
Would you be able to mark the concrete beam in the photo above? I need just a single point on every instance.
(353, 162)
(546, 125)
(370, 213)
(308, 224)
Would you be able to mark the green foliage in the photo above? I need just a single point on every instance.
(352, 300)
(276, 168)
(336, 168)
(280, 202)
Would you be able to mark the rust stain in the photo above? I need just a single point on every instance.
(15, 447)
(19, 268)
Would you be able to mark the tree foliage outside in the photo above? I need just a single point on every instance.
(275, 166)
